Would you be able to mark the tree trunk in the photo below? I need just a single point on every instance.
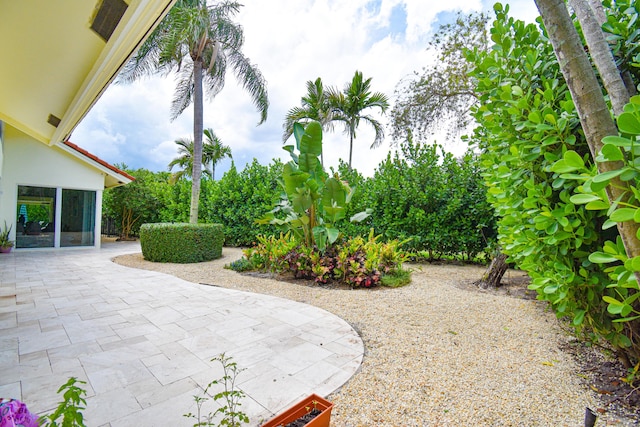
(492, 278)
(601, 55)
(196, 173)
(595, 117)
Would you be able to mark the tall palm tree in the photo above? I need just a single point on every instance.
(212, 152)
(348, 107)
(198, 42)
(315, 107)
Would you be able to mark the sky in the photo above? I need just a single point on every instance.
(291, 42)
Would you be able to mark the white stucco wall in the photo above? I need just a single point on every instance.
(30, 162)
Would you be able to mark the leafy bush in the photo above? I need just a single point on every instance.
(536, 164)
(239, 197)
(269, 254)
(315, 203)
(357, 262)
(181, 242)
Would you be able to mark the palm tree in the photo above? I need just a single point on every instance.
(348, 107)
(212, 152)
(198, 42)
(315, 107)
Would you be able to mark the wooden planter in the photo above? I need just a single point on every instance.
(300, 409)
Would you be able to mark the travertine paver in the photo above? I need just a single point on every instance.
(143, 341)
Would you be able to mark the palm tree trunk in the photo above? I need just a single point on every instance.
(350, 146)
(197, 141)
(594, 114)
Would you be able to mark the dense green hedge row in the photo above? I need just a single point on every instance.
(181, 242)
(418, 193)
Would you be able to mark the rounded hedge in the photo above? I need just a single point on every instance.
(181, 242)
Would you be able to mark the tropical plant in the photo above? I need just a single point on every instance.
(315, 106)
(349, 105)
(212, 152)
(198, 41)
(5, 242)
(315, 203)
(70, 409)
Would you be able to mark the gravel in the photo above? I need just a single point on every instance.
(437, 353)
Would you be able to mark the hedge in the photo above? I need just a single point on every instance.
(181, 242)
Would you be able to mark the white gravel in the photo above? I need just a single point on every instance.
(437, 354)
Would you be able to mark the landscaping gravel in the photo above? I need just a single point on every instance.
(437, 353)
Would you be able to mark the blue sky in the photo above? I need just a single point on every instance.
(291, 42)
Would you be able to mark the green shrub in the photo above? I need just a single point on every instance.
(357, 262)
(181, 242)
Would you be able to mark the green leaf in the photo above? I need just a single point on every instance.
(581, 199)
(606, 176)
(573, 159)
(623, 214)
(360, 216)
(628, 123)
(611, 153)
(597, 205)
(601, 258)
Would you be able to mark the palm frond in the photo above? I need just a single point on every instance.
(184, 91)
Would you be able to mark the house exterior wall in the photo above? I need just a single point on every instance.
(32, 163)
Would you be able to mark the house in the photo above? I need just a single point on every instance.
(58, 57)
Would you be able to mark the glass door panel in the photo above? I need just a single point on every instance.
(35, 217)
(78, 218)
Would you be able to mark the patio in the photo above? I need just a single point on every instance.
(143, 341)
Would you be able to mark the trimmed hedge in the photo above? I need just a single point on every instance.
(181, 242)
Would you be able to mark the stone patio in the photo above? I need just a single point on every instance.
(143, 341)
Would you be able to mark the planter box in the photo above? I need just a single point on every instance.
(302, 408)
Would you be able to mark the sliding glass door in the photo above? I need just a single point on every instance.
(36, 214)
(37, 217)
(78, 218)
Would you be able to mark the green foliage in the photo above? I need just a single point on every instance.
(181, 242)
(315, 203)
(270, 251)
(357, 262)
(230, 398)
(440, 96)
(436, 201)
(5, 242)
(70, 409)
(143, 199)
(239, 197)
(623, 293)
(239, 265)
(532, 146)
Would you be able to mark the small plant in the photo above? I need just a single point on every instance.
(4, 237)
(70, 409)
(240, 265)
(231, 398)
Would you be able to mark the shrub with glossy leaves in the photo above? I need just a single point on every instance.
(181, 242)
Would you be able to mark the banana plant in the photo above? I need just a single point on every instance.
(314, 201)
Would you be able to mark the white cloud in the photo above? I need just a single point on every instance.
(291, 41)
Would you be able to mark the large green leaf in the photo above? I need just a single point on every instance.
(628, 123)
(334, 194)
(308, 162)
(311, 141)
